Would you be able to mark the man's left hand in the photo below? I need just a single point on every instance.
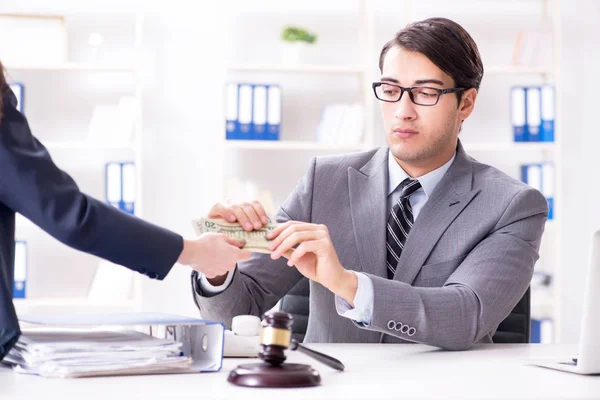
(314, 257)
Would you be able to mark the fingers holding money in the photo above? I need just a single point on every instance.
(213, 254)
(239, 243)
(249, 215)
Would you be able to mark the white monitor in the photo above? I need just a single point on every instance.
(587, 361)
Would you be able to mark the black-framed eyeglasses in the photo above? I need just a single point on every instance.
(420, 95)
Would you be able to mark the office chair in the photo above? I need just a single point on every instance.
(513, 329)
(296, 303)
(516, 327)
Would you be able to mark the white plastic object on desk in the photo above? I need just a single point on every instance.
(244, 338)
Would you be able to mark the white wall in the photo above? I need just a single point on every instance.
(580, 66)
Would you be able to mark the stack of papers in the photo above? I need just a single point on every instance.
(73, 353)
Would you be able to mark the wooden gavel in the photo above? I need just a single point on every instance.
(276, 336)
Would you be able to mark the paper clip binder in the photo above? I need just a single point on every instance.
(121, 185)
(232, 131)
(259, 113)
(548, 113)
(113, 183)
(19, 91)
(518, 114)
(245, 112)
(202, 340)
(129, 187)
(274, 112)
(533, 115)
(20, 270)
(548, 187)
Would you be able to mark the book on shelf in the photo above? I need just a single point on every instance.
(34, 39)
(113, 124)
(341, 124)
(533, 48)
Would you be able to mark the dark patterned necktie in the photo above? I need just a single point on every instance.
(399, 223)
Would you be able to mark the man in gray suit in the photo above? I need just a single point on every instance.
(417, 242)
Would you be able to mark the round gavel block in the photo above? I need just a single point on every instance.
(270, 376)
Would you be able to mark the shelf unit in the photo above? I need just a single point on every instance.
(71, 66)
(59, 149)
(364, 69)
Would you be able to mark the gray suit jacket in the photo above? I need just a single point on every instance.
(467, 261)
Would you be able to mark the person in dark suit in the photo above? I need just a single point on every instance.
(32, 185)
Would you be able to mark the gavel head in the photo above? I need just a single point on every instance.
(275, 336)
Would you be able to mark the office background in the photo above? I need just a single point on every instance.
(188, 52)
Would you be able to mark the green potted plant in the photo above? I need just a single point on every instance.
(296, 40)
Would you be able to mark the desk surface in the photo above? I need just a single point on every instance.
(372, 371)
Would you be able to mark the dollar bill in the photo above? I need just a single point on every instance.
(256, 240)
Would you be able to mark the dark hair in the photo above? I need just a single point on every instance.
(3, 86)
(447, 44)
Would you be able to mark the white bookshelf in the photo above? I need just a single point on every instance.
(290, 145)
(70, 66)
(512, 70)
(84, 145)
(80, 158)
(511, 147)
(301, 69)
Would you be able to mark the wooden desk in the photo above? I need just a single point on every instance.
(400, 371)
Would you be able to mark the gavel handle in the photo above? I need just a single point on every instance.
(325, 359)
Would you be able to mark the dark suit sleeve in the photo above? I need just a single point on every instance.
(32, 185)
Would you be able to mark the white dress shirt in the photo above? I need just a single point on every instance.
(363, 300)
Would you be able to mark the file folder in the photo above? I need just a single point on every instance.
(548, 187)
(533, 114)
(20, 270)
(202, 340)
(113, 184)
(541, 177)
(121, 185)
(548, 113)
(259, 113)
(541, 330)
(128, 190)
(245, 112)
(518, 114)
(231, 112)
(19, 92)
(531, 174)
(274, 112)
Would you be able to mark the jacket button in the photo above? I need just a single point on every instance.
(153, 275)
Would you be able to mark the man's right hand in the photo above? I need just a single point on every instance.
(250, 215)
(213, 254)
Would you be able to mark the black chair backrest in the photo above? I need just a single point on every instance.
(296, 303)
(514, 329)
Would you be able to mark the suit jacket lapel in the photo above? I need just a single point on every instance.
(450, 197)
(367, 188)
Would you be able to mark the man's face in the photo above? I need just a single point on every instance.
(421, 136)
